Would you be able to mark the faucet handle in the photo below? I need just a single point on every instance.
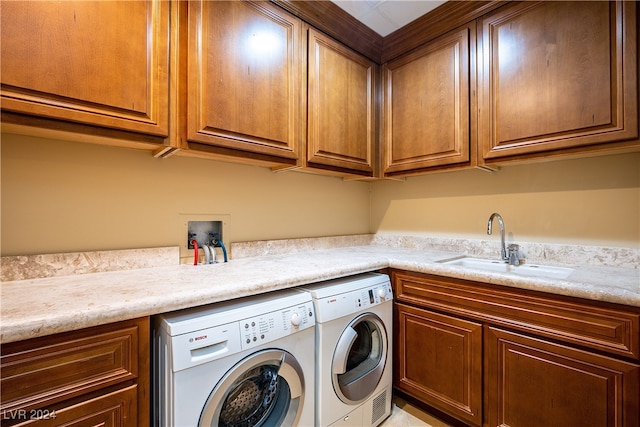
(514, 254)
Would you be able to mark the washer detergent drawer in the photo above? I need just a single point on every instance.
(196, 348)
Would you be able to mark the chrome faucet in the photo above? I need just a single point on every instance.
(503, 248)
(511, 254)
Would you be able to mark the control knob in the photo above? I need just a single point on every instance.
(296, 319)
(382, 293)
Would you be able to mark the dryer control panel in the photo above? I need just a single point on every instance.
(267, 327)
(348, 303)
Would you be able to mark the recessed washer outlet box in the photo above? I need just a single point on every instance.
(201, 227)
(204, 233)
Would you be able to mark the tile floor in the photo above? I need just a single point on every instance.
(404, 414)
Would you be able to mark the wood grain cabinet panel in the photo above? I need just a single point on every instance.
(62, 370)
(116, 409)
(100, 373)
(534, 383)
(427, 105)
(612, 330)
(439, 361)
(341, 118)
(94, 63)
(493, 356)
(557, 76)
(244, 65)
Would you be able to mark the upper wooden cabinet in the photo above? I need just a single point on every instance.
(427, 105)
(102, 64)
(341, 118)
(244, 79)
(556, 76)
(469, 84)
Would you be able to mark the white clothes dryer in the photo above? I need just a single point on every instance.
(354, 353)
(246, 362)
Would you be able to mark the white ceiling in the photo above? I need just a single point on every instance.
(386, 16)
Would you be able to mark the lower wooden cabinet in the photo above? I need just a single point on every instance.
(440, 361)
(113, 409)
(94, 376)
(490, 356)
(533, 382)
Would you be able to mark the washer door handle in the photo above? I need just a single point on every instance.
(341, 355)
(291, 371)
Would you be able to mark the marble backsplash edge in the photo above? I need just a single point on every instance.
(534, 252)
(22, 267)
(64, 264)
(289, 246)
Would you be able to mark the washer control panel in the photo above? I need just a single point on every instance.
(205, 335)
(267, 327)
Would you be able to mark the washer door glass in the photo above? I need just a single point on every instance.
(265, 388)
(359, 358)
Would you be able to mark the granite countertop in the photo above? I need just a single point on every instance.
(43, 306)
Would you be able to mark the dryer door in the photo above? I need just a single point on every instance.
(265, 388)
(359, 358)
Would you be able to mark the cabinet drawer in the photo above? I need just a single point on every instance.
(113, 409)
(610, 329)
(42, 371)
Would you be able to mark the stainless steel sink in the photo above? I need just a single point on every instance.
(530, 270)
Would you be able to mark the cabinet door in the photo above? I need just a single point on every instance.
(556, 76)
(244, 72)
(532, 383)
(341, 127)
(439, 361)
(97, 63)
(427, 105)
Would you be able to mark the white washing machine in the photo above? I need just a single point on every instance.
(246, 362)
(353, 361)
